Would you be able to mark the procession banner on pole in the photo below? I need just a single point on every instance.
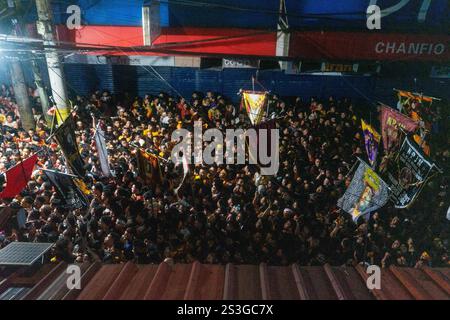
(367, 192)
(408, 174)
(391, 122)
(102, 152)
(371, 141)
(65, 136)
(67, 188)
(148, 166)
(254, 102)
(18, 176)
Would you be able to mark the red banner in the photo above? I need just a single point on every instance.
(17, 177)
(369, 46)
(391, 121)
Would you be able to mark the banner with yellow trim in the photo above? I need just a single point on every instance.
(254, 102)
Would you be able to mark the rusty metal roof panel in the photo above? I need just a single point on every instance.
(29, 277)
(353, 286)
(170, 282)
(440, 278)
(246, 282)
(392, 288)
(198, 281)
(46, 281)
(206, 282)
(443, 272)
(100, 283)
(317, 284)
(89, 270)
(138, 286)
(178, 281)
(58, 288)
(121, 282)
(282, 284)
(424, 286)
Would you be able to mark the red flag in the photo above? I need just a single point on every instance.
(18, 176)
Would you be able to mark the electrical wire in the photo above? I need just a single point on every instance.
(202, 5)
(158, 75)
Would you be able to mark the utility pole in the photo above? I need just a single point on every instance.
(21, 94)
(41, 90)
(17, 78)
(55, 71)
(283, 34)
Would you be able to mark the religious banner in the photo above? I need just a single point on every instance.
(367, 192)
(371, 141)
(408, 174)
(148, 165)
(391, 122)
(102, 152)
(65, 136)
(67, 188)
(254, 103)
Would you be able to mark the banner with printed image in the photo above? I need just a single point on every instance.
(391, 122)
(254, 103)
(408, 174)
(149, 168)
(367, 192)
(371, 140)
(65, 136)
(67, 188)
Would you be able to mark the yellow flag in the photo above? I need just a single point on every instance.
(254, 104)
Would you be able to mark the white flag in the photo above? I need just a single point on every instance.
(185, 172)
(100, 144)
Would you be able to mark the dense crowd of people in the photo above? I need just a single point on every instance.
(223, 213)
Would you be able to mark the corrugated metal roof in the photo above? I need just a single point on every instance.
(198, 281)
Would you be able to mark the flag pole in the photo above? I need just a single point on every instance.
(151, 154)
(352, 168)
(59, 172)
(53, 124)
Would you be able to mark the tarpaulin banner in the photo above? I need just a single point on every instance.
(148, 166)
(65, 136)
(367, 192)
(254, 103)
(72, 196)
(18, 176)
(102, 152)
(371, 141)
(391, 121)
(408, 174)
